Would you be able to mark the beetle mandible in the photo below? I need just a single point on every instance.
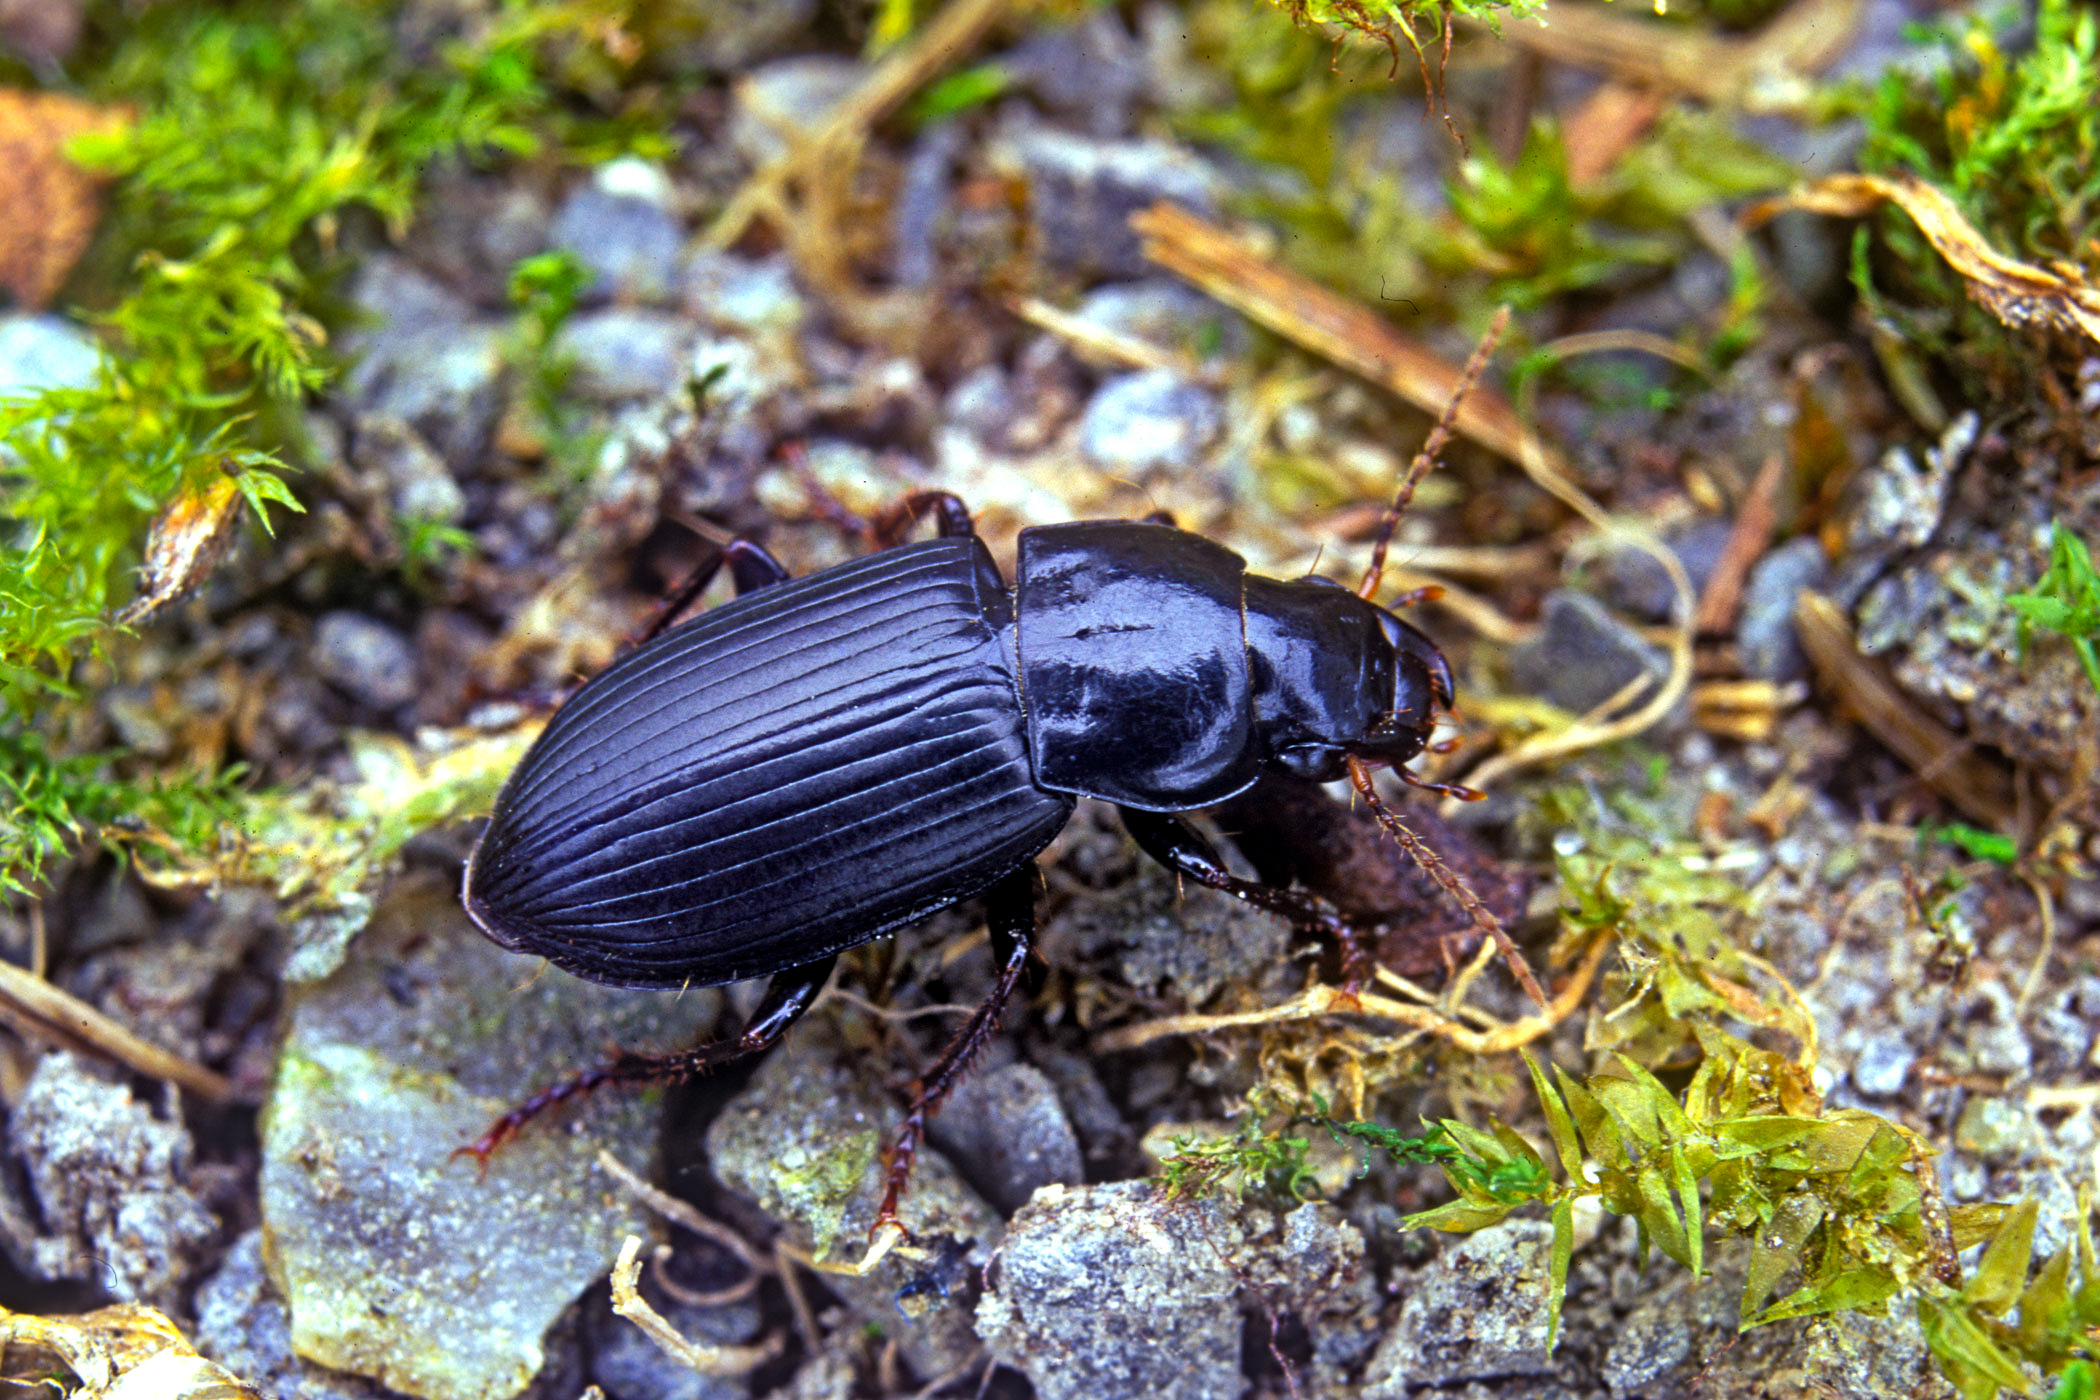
(825, 760)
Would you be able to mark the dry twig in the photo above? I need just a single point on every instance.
(32, 1007)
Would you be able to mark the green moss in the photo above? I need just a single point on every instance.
(259, 128)
(2015, 141)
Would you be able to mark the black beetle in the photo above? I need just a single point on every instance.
(826, 759)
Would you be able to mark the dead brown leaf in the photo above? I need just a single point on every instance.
(125, 1352)
(187, 542)
(2020, 294)
(48, 205)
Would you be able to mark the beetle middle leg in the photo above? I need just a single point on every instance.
(1182, 849)
(1010, 916)
(750, 569)
(787, 997)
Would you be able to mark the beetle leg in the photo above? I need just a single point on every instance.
(1182, 849)
(951, 516)
(750, 569)
(787, 997)
(1010, 916)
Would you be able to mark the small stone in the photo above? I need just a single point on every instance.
(1635, 580)
(921, 207)
(1092, 72)
(732, 293)
(243, 1325)
(1476, 1312)
(805, 1141)
(1882, 1066)
(398, 1259)
(1113, 1290)
(1176, 318)
(111, 1185)
(626, 352)
(1007, 1133)
(1153, 418)
(788, 100)
(620, 225)
(1082, 192)
(418, 485)
(983, 404)
(1161, 937)
(139, 719)
(425, 360)
(721, 36)
(365, 658)
(1764, 631)
(44, 352)
(1995, 1129)
(1583, 655)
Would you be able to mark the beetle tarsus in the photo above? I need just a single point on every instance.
(1010, 916)
(1457, 790)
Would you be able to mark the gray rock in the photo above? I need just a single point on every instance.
(1159, 936)
(111, 1186)
(922, 205)
(425, 360)
(1882, 1066)
(1007, 1133)
(722, 36)
(397, 1259)
(1082, 192)
(1583, 655)
(139, 718)
(1764, 630)
(244, 1326)
(620, 225)
(1655, 1346)
(1635, 580)
(626, 352)
(788, 100)
(982, 403)
(1476, 1312)
(1092, 72)
(805, 1140)
(417, 485)
(44, 352)
(1113, 1290)
(732, 293)
(366, 658)
(1167, 314)
(1153, 418)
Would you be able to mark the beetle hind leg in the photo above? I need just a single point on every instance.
(1011, 920)
(1184, 850)
(787, 997)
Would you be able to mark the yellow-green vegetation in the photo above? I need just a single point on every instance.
(2065, 600)
(258, 130)
(1840, 1206)
(2015, 141)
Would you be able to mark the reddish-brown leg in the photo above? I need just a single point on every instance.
(951, 517)
(787, 998)
(1182, 849)
(1010, 914)
(750, 569)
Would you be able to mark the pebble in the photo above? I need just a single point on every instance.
(1582, 655)
(1008, 1134)
(622, 352)
(620, 225)
(1764, 631)
(1476, 1312)
(733, 293)
(786, 100)
(1882, 1066)
(418, 486)
(44, 352)
(1635, 580)
(723, 36)
(399, 1261)
(425, 359)
(111, 1181)
(1111, 1290)
(244, 1326)
(1149, 419)
(1166, 314)
(1092, 73)
(366, 658)
(922, 205)
(1082, 192)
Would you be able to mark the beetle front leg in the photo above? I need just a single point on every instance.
(1010, 915)
(1182, 849)
(787, 997)
(750, 569)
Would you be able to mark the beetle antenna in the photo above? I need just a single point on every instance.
(1427, 457)
(1434, 867)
